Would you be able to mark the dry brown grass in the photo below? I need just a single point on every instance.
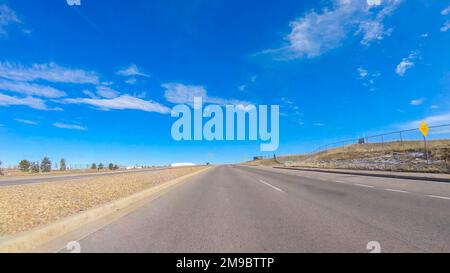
(23, 207)
(18, 173)
(391, 156)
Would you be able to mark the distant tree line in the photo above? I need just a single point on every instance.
(45, 165)
(100, 166)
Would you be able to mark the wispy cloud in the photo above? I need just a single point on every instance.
(122, 102)
(30, 122)
(107, 92)
(7, 17)
(318, 32)
(181, 93)
(48, 72)
(319, 124)
(132, 70)
(433, 120)
(406, 63)
(417, 102)
(368, 78)
(26, 88)
(446, 11)
(446, 26)
(69, 126)
(6, 100)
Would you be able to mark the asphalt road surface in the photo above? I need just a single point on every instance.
(248, 209)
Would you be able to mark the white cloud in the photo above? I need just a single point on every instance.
(132, 70)
(423, 35)
(368, 78)
(131, 80)
(318, 32)
(48, 71)
(180, 93)
(7, 17)
(26, 121)
(434, 120)
(446, 11)
(242, 87)
(446, 26)
(406, 63)
(319, 124)
(417, 102)
(362, 72)
(90, 94)
(107, 92)
(69, 126)
(26, 88)
(31, 102)
(120, 103)
(434, 106)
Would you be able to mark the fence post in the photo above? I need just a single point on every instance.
(426, 149)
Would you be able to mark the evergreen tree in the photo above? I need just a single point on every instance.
(34, 167)
(62, 165)
(46, 164)
(94, 166)
(24, 165)
(100, 166)
(111, 166)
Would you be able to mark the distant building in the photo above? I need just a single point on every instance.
(182, 164)
(133, 167)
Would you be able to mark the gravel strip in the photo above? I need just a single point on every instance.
(23, 207)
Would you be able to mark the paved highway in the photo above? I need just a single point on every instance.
(249, 209)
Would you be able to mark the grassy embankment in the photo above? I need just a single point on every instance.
(392, 156)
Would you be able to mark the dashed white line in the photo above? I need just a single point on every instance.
(396, 190)
(338, 181)
(440, 197)
(364, 185)
(273, 187)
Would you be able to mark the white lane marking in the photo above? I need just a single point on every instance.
(364, 185)
(338, 181)
(273, 187)
(396, 190)
(440, 197)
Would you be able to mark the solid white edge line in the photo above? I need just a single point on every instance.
(440, 197)
(394, 190)
(273, 187)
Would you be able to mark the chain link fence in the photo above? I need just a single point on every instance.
(404, 150)
(404, 136)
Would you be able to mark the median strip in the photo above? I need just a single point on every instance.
(36, 213)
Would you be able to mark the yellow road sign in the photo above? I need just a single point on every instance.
(424, 129)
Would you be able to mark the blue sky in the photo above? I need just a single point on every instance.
(96, 82)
